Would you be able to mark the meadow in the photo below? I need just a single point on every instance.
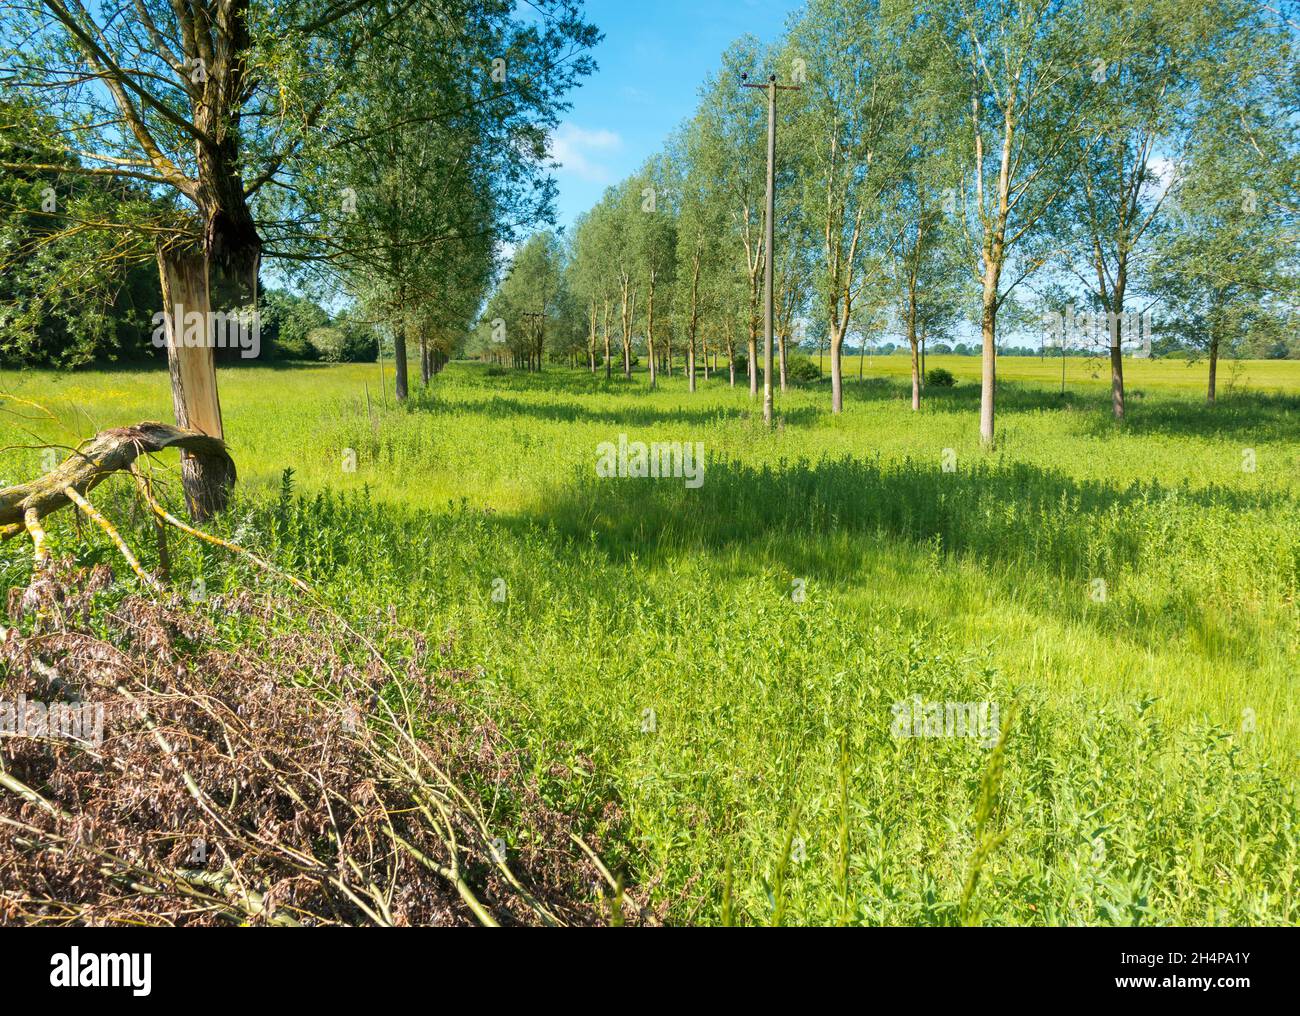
(713, 674)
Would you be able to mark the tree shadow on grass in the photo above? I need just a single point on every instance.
(999, 511)
(1039, 534)
(500, 407)
(1262, 416)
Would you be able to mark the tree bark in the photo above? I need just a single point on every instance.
(108, 452)
(608, 357)
(837, 370)
(1214, 366)
(650, 332)
(1116, 353)
(206, 478)
(989, 352)
(399, 362)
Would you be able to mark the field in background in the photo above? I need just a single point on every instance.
(712, 672)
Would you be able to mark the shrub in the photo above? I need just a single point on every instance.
(938, 377)
(344, 342)
(803, 370)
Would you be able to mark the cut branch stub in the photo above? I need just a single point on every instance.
(108, 452)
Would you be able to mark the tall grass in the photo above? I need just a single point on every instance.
(1150, 773)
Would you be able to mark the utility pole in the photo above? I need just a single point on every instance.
(769, 237)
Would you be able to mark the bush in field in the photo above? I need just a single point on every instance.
(802, 370)
(344, 342)
(287, 322)
(938, 377)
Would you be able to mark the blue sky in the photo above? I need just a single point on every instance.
(651, 63)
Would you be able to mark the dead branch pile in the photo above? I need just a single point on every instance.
(286, 786)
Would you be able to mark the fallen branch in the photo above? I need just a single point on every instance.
(108, 452)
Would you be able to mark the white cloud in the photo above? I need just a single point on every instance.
(578, 150)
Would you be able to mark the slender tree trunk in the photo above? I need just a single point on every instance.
(205, 479)
(399, 357)
(650, 333)
(1214, 364)
(609, 360)
(837, 369)
(916, 364)
(994, 253)
(629, 310)
(781, 353)
(913, 344)
(989, 352)
(1116, 353)
(752, 350)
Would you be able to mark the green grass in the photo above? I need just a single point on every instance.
(1148, 774)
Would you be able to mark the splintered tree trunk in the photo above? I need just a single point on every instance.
(191, 361)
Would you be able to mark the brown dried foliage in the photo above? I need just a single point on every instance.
(318, 790)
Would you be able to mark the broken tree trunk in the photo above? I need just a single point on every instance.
(111, 451)
(207, 477)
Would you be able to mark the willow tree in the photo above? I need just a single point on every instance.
(591, 280)
(1023, 62)
(727, 145)
(531, 295)
(848, 108)
(700, 226)
(211, 104)
(651, 235)
(1143, 100)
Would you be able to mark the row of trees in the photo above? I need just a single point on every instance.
(961, 166)
(389, 148)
